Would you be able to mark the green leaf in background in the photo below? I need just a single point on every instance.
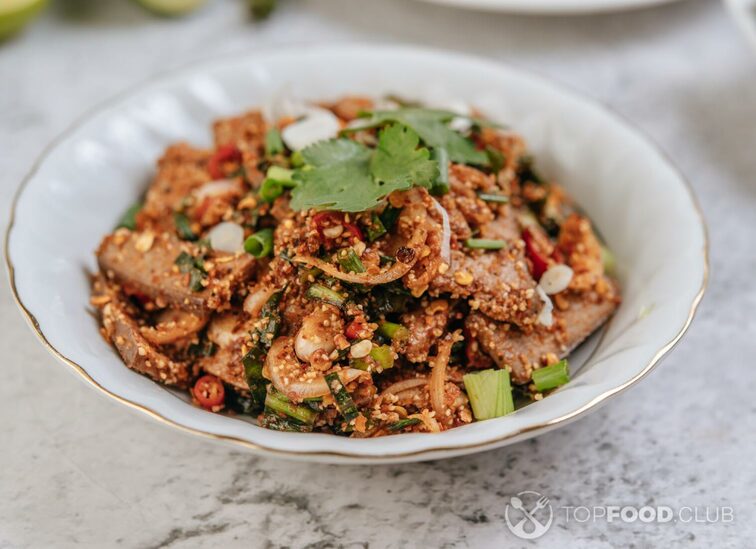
(171, 7)
(15, 14)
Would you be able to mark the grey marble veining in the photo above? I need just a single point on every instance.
(79, 470)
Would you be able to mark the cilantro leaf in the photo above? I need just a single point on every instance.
(341, 174)
(336, 176)
(433, 128)
(398, 163)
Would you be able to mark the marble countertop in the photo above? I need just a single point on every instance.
(79, 470)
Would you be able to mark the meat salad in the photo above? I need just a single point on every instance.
(362, 268)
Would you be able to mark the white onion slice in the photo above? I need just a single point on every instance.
(219, 187)
(556, 279)
(317, 125)
(545, 317)
(446, 235)
(227, 237)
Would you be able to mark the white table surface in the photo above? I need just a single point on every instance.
(79, 470)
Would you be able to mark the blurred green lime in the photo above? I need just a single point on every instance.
(14, 14)
(171, 7)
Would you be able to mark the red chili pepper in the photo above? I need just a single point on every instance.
(354, 329)
(201, 208)
(223, 154)
(209, 392)
(540, 263)
(323, 220)
(354, 230)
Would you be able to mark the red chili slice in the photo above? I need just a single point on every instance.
(354, 230)
(223, 154)
(354, 329)
(540, 263)
(209, 392)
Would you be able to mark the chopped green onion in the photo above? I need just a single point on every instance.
(270, 320)
(183, 226)
(403, 423)
(389, 216)
(609, 261)
(491, 197)
(441, 185)
(321, 293)
(551, 377)
(485, 244)
(128, 219)
(393, 331)
(495, 158)
(277, 402)
(253, 366)
(343, 399)
(282, 175)
(296, 159)
(376, 229)
(350, 261)
(382, 355)
(273, 143)
(260, 244)
(270, 190)
(490, 393)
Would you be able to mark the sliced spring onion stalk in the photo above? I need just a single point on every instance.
(388, 216)
(317, 125)
(322, 293)
(490, 393)
(393, 331)
(441, 185)
(350, 261)
(495, 158)
(270, 190)
(382, 355)
(128, 219)
(376, 229)
(273, 143)
(341, 396)
(556, 279)
(282, 175)
(260, 244)
(485, 244)
(227, 237)
(277, 402)
(551, 377)
(404, 423)
(446, 234)
(491, 197)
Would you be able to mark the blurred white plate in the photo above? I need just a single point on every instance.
(551, 6)
(744, 13)
(638, 200)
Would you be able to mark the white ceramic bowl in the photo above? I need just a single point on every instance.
(637, 199)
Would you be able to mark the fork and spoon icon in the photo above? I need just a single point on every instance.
(538, 527)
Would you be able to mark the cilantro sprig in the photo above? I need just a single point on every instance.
(341, 174)
(433, 128)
